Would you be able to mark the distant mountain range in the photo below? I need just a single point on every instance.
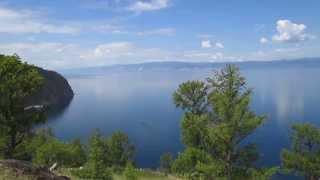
(173, 65)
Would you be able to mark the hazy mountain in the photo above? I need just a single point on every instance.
(166, 66)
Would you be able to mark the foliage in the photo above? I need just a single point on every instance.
(192, 97)
(304, 158)
(96, 166)
(217, 120)
(263, 174)
(106, 154)
(130, 172)
(120, 150)
(46, 150)
(77, 153)
(166, 161)
(18, 82)
(194, 130)
(213, 170)
(187, 161)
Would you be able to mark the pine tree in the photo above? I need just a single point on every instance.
(304, 158)
(217, 120)
(96, 166)
(120, 150)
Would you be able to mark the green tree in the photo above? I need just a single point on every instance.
(96, 166)
(194, 130)
(18, 81)
(120, 150)
(192, 97)
(45, 150)
(304, 158)
(166, 161)
(263, 173)
(130, 172)
(77, 153)
(223, 122)
(96, 159)
(186, 162)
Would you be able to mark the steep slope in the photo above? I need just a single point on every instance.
(55, 90)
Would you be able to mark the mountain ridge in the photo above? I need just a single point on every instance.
(180, 65)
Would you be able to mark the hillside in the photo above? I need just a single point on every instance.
(55, 90)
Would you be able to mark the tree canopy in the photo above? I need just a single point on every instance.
(216, 121)
(18, 81)
(304, 157)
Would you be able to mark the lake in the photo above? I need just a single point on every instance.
(140, 104)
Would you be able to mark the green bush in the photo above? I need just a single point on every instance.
(130, 172)
(188, 160)
(46, 150)
(166, 161)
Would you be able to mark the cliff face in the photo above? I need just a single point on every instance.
(55, 90)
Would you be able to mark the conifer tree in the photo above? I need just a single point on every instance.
(304, 157)
(217, 120)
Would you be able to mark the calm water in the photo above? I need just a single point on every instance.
(140, 104)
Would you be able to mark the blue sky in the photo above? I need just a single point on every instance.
(80, 33)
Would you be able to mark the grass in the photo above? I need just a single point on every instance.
(142, 175)
(9, 174)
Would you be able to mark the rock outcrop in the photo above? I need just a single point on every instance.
(55, 90)
(19, 169)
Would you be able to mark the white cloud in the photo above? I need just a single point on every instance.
(219, 45)
(123, 52)
(110, 50)
(290, 32)
(150, 5)
(162, 31)
(264, 40)
(206, 44)
(47, 55)
(12, 21)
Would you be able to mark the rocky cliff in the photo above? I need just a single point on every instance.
(55, 90)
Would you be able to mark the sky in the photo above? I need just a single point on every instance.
(65, 34)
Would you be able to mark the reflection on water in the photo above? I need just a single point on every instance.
(140, 104)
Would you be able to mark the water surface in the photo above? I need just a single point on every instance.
(140, 104)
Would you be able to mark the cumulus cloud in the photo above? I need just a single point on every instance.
(206, 44)
(110, 50)
(150, 5)
(289, 32)
(219, 45)
(12, 21)
(264, 40)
